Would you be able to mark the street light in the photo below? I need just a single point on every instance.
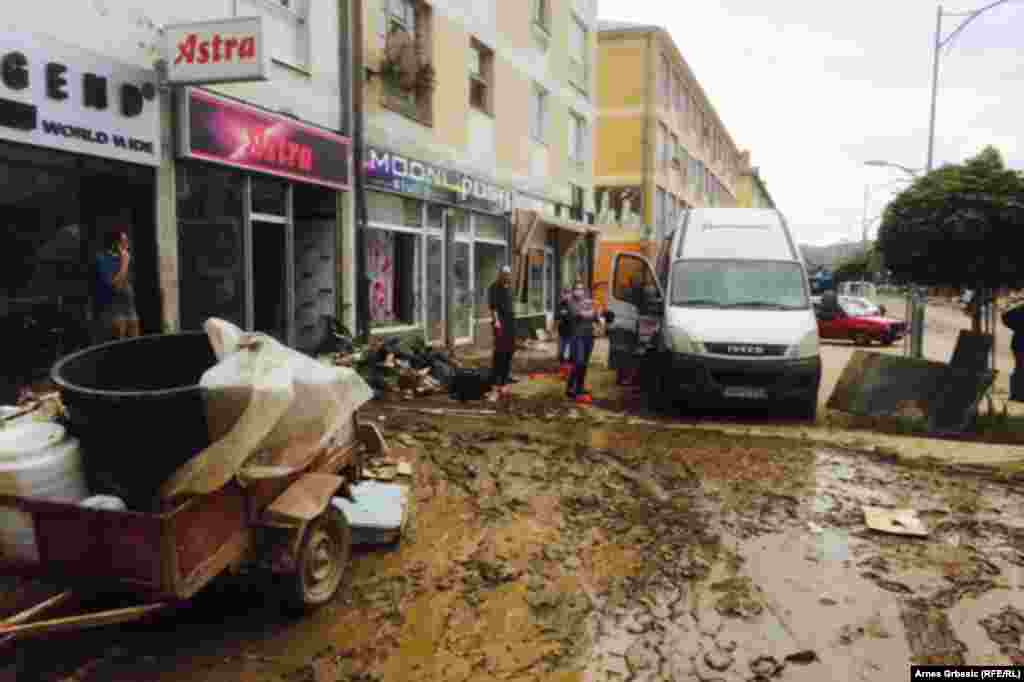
(940, 43)
(912, 172)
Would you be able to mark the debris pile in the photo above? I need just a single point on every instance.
(406, 367)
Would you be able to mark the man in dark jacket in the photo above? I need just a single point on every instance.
(499, 298)
(1014, 319)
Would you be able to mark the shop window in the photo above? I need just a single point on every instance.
(210, 245)
(435, 216)
(269, 196)
(481, 77)
(393, 263)
(393, 209)
(535, 282)
(488, 259)
(490, 227)
(459, 221)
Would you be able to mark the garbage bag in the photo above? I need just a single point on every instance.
(261, 397)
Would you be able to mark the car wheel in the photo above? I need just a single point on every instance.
(861, 339)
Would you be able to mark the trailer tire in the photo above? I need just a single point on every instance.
(322, 561)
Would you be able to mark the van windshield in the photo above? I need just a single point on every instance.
(739, 284)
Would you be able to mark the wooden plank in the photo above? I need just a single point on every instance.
(81, 622)
(204, 526)
(231, 553)
(42, 607)
(304, 500)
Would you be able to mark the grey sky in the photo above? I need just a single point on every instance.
(816, 89)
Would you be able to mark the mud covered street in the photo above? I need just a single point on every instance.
(556, 543)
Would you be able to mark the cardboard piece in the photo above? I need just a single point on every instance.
(378, 514)
(895, 521)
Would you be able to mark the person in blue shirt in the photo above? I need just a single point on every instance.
(115, 294)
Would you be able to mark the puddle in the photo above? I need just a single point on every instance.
(833, 545)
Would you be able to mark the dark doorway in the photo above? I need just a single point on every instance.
(268, 279)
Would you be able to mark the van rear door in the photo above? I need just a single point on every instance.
(637, 303)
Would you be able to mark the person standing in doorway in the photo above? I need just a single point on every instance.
(582, 316)
(499, 297)
(564, 318)
(115, 293)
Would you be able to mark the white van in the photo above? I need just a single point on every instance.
(726, 314)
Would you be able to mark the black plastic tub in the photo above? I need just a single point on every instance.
(137, 409)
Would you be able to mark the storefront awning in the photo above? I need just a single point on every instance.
(529, 229)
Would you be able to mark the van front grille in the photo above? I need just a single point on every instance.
(747, 350)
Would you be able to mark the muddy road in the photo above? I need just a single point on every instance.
(554, 543)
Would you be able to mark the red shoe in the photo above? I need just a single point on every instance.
(564, 371)
(584, 399)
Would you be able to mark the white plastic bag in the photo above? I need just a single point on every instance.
(261, 397)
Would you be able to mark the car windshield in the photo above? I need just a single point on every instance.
(767, 285)
(857, 307)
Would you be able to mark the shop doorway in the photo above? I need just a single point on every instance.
(270, 305)
(57, 209)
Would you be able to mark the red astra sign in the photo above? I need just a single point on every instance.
(226, 131)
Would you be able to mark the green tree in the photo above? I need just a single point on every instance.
(958, 226)
(863, 266)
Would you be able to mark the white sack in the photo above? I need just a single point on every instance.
(261, 397)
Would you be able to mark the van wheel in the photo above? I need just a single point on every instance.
(807, 409)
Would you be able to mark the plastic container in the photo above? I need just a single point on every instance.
(138, 410)
(37, 460)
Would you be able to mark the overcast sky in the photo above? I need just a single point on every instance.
(814, 89)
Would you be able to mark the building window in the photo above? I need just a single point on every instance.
(577, 138)
(406, 73)
(579, 66)
(665, 83)
(539, 114)
(542, 14)
(576, 212)
(673, 151)
(481, 77)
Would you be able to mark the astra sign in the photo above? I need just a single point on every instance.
(226, 131)
(216, 51)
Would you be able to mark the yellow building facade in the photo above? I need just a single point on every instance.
(661, 146)
(476, 114)
(751, 191)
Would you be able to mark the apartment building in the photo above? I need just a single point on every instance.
(661, 145)
(480, 117)
(220, 153)
(751, 190)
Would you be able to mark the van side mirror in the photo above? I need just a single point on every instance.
(609, 317)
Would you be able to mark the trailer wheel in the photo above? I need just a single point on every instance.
(323, 558)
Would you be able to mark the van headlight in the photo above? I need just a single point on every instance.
(806, 348)
(684, 343)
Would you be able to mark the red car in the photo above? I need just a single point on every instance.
(860, 322)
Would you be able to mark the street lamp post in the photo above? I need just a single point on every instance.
(914, 343)
(940, 43)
